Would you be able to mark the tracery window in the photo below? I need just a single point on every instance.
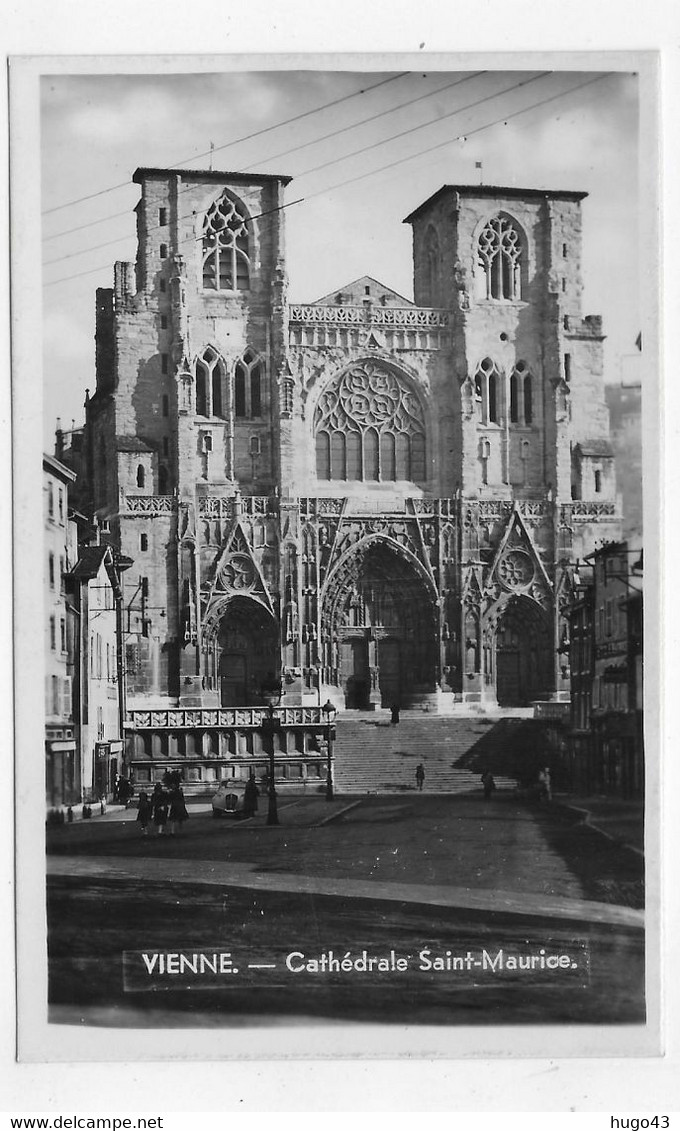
(499, 252)
(521, 395)
(210, 390)
(488, 391)
(248, 385)
(226, 252)
(369, 426)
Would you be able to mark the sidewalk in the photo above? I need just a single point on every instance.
(622, 822)
(111, 812)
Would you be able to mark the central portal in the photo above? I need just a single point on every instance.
(383, 620)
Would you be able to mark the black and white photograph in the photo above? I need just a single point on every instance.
(343, 590)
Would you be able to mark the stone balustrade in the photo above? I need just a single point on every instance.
(223, 718)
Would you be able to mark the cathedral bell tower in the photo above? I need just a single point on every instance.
(532, 428)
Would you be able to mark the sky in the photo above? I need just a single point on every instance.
(363, 149)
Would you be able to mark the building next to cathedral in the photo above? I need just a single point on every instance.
(374, 501)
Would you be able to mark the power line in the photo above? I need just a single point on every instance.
(383, 168)
(334, 161)
(469, 133)
(90, 224)
(156, 227)
(237, 141)
(283, 153)
(365, 121)
(107, 266)
(433, 121)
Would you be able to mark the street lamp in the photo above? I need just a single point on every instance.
(329, 711)
(271, 693)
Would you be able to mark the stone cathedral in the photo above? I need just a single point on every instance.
(372, 500)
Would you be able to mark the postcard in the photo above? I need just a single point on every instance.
(346, 639)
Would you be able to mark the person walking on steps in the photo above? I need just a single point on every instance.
(420, 775)
(545, 784)
(394, 714)
(488, 785)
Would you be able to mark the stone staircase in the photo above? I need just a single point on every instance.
(372, 756)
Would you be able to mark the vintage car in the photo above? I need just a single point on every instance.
(229, 799)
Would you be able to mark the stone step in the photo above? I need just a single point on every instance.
(373, 756)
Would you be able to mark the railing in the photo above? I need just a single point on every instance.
(149, 504)
(371, 315)
(592, 510)
(185, 718)
(219, 506)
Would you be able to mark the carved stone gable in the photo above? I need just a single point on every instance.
(517, 568)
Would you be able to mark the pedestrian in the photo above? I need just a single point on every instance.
(546, 784)
(394, 714)
(178, 810)
(420, 775)
(159, 808)
(250, 797)
(488, 784)
(144, 812)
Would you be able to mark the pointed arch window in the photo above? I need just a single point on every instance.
(369, 425)
(488, 391)
(521, 395)
(226, 246)
(499, 255)
(248, 374)
(323, 455)
(210, 373)
(141, 477)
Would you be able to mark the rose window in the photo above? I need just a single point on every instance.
(238, 573)
(516, 570)
(370, 425)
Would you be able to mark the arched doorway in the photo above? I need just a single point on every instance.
(248, 645)
(380, 615)
(523, 654)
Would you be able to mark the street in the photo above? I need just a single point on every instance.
(388, 876)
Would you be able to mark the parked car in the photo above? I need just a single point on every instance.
(229, 799)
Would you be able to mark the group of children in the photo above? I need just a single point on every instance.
(162, 808)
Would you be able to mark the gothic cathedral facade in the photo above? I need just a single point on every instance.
(372, 500)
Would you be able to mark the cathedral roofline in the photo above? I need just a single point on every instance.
(360, 282)
(496, 191)
(144, 172)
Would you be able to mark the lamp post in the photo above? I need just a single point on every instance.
(271, 693)
(329, 711)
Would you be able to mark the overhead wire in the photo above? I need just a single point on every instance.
(334, 161)
(383, 168)
(460, 137)
(236, 141)
(285, 152)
